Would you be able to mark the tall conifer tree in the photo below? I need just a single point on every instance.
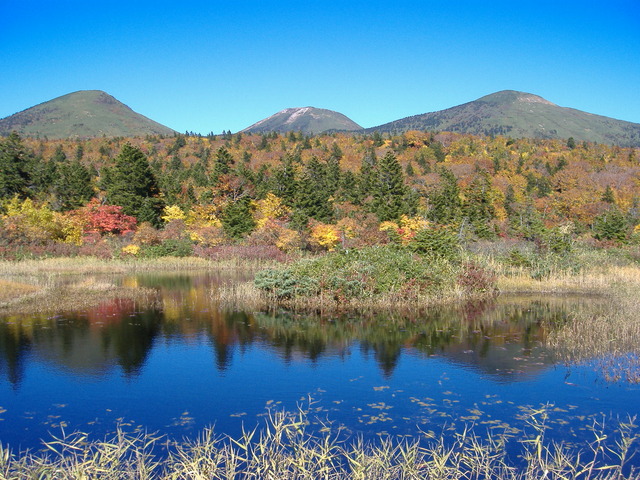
(132, 185)
(390, 194)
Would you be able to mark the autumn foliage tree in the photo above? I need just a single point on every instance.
(105, 219)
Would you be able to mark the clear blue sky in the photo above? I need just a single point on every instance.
(211, 66)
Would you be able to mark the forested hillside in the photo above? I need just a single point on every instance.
(159, 195)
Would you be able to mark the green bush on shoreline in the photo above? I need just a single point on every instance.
(388, 272)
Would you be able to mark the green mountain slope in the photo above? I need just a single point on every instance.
(308, 120)
(83, 114)
(518, 115)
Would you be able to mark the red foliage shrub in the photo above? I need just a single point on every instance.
(475, 278)
(97, 218)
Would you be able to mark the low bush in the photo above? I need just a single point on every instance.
(168, 248)
(390, 272)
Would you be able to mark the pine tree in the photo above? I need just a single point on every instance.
(446, 206)
(237, 220)
(132, 185)
(349, 191)
(390, 192)
(15, 167)
(284, 181)
(608, 195)
(222, 164)
(478, 207)
(611, 225)
(73, 185)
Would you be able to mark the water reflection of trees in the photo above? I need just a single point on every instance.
(501, 338)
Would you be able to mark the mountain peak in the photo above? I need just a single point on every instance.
(511, 96)
(81, 114)
(309, 120)
(519, 114)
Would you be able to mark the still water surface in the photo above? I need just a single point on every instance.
(182, 364)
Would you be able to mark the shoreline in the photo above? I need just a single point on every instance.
(26, 282)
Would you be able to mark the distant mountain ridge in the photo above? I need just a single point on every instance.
(94, 113)
(520, 115)
(309, 120)
(82, 114)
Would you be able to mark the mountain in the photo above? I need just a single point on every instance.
(518, 115)
(307, 120)
(83, 114)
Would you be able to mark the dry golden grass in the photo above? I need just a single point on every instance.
(81, 295)
(284, 449)
(238, 296)
(609, 340)
(11, 290)
(82, 265)
(597, 280)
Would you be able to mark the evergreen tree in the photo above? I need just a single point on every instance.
(438, 151)
(312, 201)
(333, 175)
(478, 207)
(73, 186)
(132, 185)
(608, 195)
(529, 222)
(59, 156)
(16, 164)
(336, 151)
(237, 220)
(367, 176)
(509, 201)
(284, 181)
(349, 189)
(410, 172)
(446, 206)
(611, 225)
(222, 164)
(79, 152)
(390, 192)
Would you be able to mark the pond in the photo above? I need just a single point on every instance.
(180, 364)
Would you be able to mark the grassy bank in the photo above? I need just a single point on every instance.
(58, 284)
(93, 265)
(286, 449)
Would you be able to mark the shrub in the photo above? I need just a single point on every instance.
(476, 279)
(324, 236)
(104, 219)
(372, 272)
(168, 248)
(611, 225)
(437, 241)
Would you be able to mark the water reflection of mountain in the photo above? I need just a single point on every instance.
(500, 339)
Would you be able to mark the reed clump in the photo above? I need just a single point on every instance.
(285, 448)
(609, 339)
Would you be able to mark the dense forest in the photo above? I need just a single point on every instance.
(191, 194)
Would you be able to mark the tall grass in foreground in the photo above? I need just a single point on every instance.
(284, 449)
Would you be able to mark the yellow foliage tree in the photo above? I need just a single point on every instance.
(34, 223)
(204, 216)
(324, 235)
(173, 212)
(269, 208)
